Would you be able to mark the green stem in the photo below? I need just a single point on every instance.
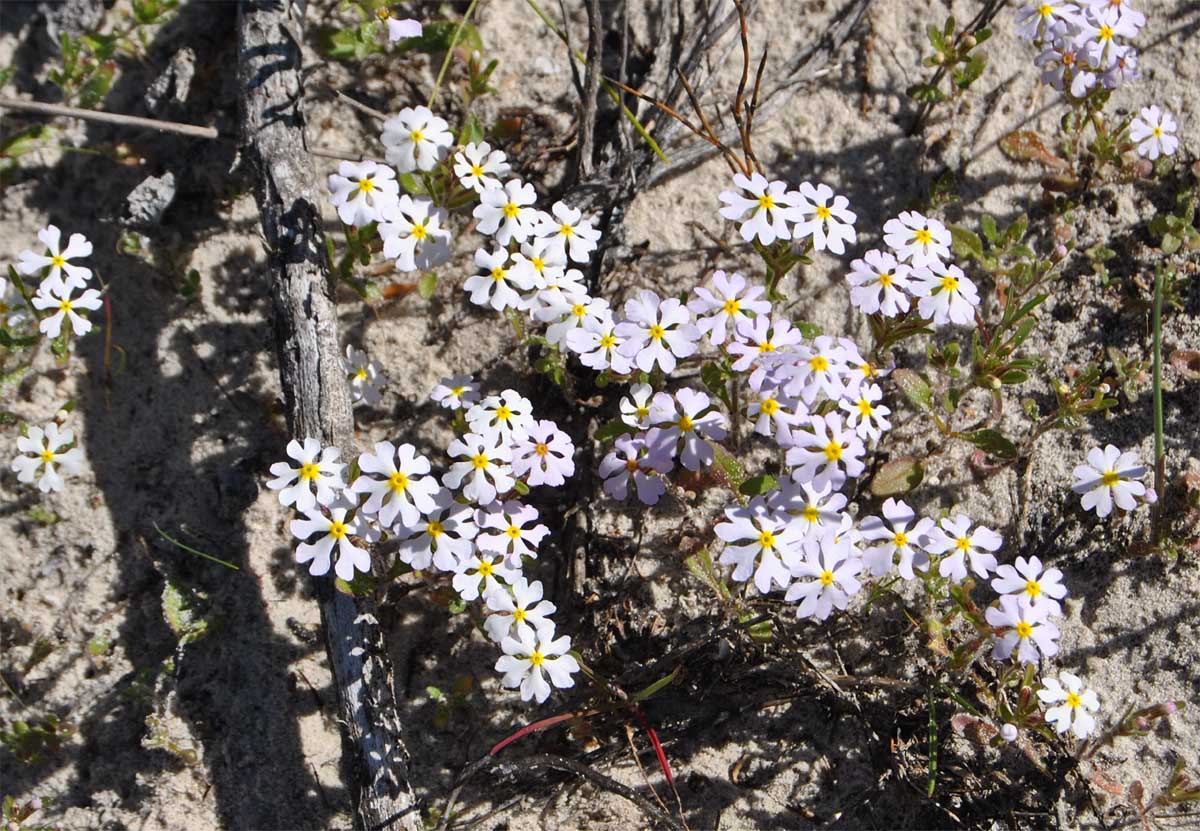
(450, 51)
(1159, 454)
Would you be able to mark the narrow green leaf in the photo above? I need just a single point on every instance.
(759, 485)
(427, 285)
(992, 442)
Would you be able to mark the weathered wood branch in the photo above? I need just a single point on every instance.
(315, 386)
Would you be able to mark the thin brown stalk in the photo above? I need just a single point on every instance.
(176, 127)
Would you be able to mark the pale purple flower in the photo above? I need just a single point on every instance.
(916, 239)
(758, 540)
(1075, 704)
(816, 368)
(830, 224)
(1109, 476)
(484, 467)
(1027, 578)
(444, 537)
(517, 611)
(758, 339)
(365, 376)
(725, 304)
(814, 509)
(498, 286)
(397, 483)
(632, 457)
(598, 345)
(826, 453)
(531, 658)
(545, 456)
(458, 392)
(1044, 19)
(826, 575)
(635, 407)
(1064, 66)
(568, 232)
(657, 332)
(866, 415)
(317, 478)
(510, 529)
(878, 284)
(400, 29)
(897, 540)
(1026, 630)
(774, 413)
(569, 312)
(361, 190)
(955, 536)
(765, 213)
(507, 212)
(689, 424)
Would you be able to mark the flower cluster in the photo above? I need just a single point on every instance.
(467, 522)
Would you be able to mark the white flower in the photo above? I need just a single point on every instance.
(43, 448)
(480, 575)
(955, 535)
(866, 416)
(361, 190)
(458, 392)
(51, 295)
(406, 489)
(828, 454)
(598, 345)
(530, 658)
(544, 456)
(317, 478)
(365, 375)
(507, 415)
(486, 463)
(507, 212)
(1064, 66)
(946, 295)
(335, 530)
(519, 611)
(657, 332)
(77, 276)
(815, 368)
(1109, 476)
(766, 213)
(758, 340)
(1028, 579)
(568, 233)
(634, 457)
(416, 139)
(444, 536)
(399, 29)
(826, 575)
(692, 425)
(726, 303)
(1074, 713)
(1027, 630)
(569, 312)
(479, 167)
(635, 407)
(1113, 10)
(1045, 18)
(544, 270)
(495, 287)
(774, 414)
(878, 284)
(902, 538)
(1008, 732)
(831, 226)
(1153, 130)
(1098, 32)
(916, 239)
(758, 541)
(502, 530)
(814, 509)
(412, 234)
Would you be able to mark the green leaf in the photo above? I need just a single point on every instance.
(661, 683)
(935, 37)
(966, 244)
(897, 476)
(759, 632)
(9, 342)
(714, 376)
(182, 611)
(24, 141)
(926, 93)
(990, 232)
(915, 388)
(613, 429)
(427, 285)
(982, 35)
(970, 73)
(992, 442)
(1014, 376)
(1016, 231)
(520, 487)
(728, 468)
(759, 485)
(807, 329)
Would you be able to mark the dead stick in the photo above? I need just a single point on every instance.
(315, 388)
(110, 118)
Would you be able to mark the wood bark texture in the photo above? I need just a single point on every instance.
(315, 387)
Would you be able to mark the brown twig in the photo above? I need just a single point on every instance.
(193, 130)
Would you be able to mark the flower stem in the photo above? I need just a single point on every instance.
(450, 51)
(1159, 454)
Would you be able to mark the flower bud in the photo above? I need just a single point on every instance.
(1141, 724)
(968, 42)
(35, 804)
(1060, 252)
(1061, 388)
(1009, 732)
(1104, 388)
(1150, 497)
(939, 58)
(994, 383)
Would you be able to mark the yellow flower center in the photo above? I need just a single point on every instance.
(1073, 700)
(578, 310)
(479, 461)
(766, 539)
(766, 202)
(766, 346)
(642, 412)
(536, 658)
(476, 170)
(885, 279)
(1024, 630)
(419, 232)
(1157, 132)
(398, 482)
(963, 543)
(864, 407)
(361, 373)
(514, 533)
(541, 449)
(811, 514)
(819, 363)
(686, 423)
(867, 370)
(823, 212)
(1110, 478)
(47, 456)
(435, 529)
(518, 615)
(607, 341)
(58, 261)
(485, 568)
(769, 406)
(337, 530)
(1045, 10)
(1068, 58)
(566, 230)
(923, 236)
(309, 471)
(64, 306)
(826, 578)
(383, 14)
(1032, 588)
(366, 185)
(949, 283)
(511, 210)
(1106, 32)
(732, 307)
(417, 136)
(631, 465)
(900, 539)
(503, 413)
(499, 274)
(457, 391)
(833, 451)
(656, 332)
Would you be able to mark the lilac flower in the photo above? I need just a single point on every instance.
(828, 454)
(1064, 67)
(866, 415)
(1109, 476)
(656, 332)
(725, 304)
(633, 458)
(826, 575)
(521, 610)
(569, 312)
(878, 284)
(1042, 588)
(759, 338)
(815, 368)
(545, 456)
(532, 657)
(955, 535)
(405, 490)
(757, 541)
(815, 509)
(502, 530)
(774, 413)
(485, 467)
(458, 392)
(598, 345)
(635, 407)
(898, 540)
(691, 423)
(1028, 632)
(765, 214)
(444, 537)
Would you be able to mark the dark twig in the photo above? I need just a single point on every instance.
(590, 93)
(192, 130)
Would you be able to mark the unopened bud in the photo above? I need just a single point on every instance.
(1009, 732)
(968, 42)
(12, 826)
(1062, 389)
(1060, 252)
(939, 58)
(1150, 497)
(994, 383)
(35, 804)
(1104, 388)
(1143, 168)
(61, 416)
(1141, 724)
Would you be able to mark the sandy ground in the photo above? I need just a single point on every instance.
(179, 421)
